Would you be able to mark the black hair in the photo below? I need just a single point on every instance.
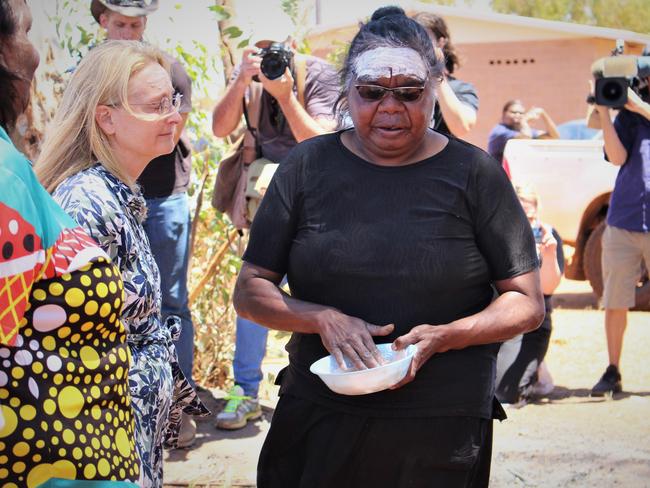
(8, 25)
(510, 103)
(388, 27)
(438, 28)
(386, 11)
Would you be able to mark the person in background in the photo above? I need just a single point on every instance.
(372, 253)
(118, 112)
(283, 122)
(164, 184)
(521, 370)
(456, 110)
(63, 351)
(626, 240)
(515, 124)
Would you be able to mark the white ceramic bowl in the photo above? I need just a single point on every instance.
(365, 381)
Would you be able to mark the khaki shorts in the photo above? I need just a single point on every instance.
(621, 260)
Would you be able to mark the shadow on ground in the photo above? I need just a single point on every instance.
(206, 431)
(583, 395)
(575, 301)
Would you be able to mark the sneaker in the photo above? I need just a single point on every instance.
(609, 383)
(541, 389)
(239, 410)
(187, 432)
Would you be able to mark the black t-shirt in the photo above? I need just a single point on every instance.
(170, 173)
(409, 245)
(465, 92)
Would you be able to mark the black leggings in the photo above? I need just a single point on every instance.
(517, 364)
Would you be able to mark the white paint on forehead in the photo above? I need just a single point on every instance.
(384, 62)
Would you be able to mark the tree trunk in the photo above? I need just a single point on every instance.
(227, 56)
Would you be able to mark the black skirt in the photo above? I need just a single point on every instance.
(311, 446)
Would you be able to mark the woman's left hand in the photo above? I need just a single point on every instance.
(429, 340)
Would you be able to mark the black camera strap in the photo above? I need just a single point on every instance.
(251, 129)
(248, 122)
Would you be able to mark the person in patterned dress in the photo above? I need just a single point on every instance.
(117, 114)
(65, 409)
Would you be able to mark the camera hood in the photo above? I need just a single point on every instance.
(626, 66)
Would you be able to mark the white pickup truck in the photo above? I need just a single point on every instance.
(574, 184)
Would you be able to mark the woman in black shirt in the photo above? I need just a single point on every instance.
(521, 371)
(457, 105)
(389, 232)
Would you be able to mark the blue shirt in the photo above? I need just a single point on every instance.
(629, 208)
(498, 138)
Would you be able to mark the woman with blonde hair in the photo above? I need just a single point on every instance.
(119, 112)
(522, 373)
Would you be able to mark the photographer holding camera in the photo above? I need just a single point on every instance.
(514, 124)
(626, 240)
(280, 122)
(284, 122)
(522, 373)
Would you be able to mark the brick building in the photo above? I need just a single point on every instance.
(544, 63)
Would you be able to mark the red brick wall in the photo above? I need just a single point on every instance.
(549, 74)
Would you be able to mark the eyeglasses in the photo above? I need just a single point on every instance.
(515, 112)
(374, 93)
(165, 106)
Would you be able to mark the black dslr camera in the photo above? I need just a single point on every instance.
(275, 60)
(615, 74)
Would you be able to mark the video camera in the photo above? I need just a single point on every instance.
(615, 74)
(275, 60)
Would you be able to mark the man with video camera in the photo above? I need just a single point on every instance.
(298, 93)
(626, 240)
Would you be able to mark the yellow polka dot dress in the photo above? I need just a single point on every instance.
(65, 409)
(64, 386)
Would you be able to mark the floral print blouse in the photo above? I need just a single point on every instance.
(113, 215)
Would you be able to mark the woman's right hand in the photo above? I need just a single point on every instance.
(351, 337)
(548, 246)
(533, 113)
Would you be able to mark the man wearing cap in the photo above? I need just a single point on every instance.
(164, 184)
(283, 123)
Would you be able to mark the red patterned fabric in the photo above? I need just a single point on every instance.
(24, 261)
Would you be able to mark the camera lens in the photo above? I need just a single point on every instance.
(612, 91)
(273, 65)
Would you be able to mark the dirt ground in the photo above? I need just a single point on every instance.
(566, 440)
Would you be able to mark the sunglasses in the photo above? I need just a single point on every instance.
(374, 93)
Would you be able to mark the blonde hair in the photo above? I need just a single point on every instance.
(75, 141)
(527, 192)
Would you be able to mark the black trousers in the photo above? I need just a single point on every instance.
(311, 446)
(517, 364)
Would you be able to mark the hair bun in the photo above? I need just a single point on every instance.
(382, 12)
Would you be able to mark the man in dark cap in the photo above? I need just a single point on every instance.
(164, 184)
